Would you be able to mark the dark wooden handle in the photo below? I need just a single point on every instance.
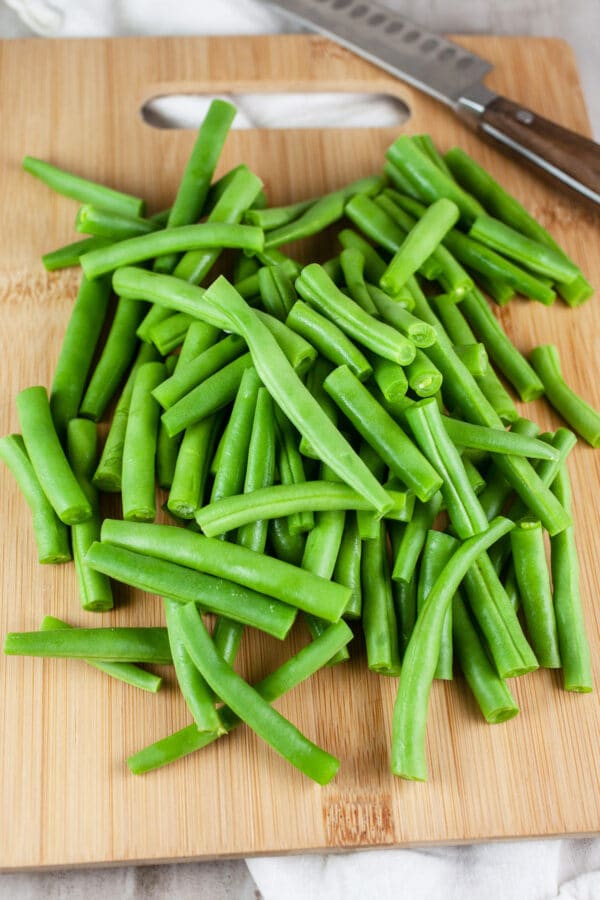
(573, 159)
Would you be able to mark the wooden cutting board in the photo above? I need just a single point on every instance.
(66, 795)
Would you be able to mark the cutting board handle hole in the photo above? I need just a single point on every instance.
(276, 110)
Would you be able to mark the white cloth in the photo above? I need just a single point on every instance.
(519, 870)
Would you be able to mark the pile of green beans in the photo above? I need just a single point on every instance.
(327, 441)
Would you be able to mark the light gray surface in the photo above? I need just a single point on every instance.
(578, 22)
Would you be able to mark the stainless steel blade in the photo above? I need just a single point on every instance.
(426, 60)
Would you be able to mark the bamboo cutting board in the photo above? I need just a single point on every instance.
(66, 796)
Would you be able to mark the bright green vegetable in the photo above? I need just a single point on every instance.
(582, 417)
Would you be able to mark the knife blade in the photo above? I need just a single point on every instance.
(454, 76)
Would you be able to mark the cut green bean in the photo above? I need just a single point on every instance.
(424, 378)
(374, 264)
(167, 579)
(576, 411)
(348, 564)
(284, 545)
(126, 672)
(95, 592)
(249, 705)
(474, 357)
(170, 332)
(107, 476)
(51, 535)
(537, 257)
(294, 399)
(352, 263)
(149, 645)
(192, 372)
(493, 440)
(77, 351)
(82, 189)
(276, 216)
(109, 224)
(68, 256)
(422, 653)
(298, 351)
(276, 291)
(48, 459)
(198, 338)
(167, 451)
(390, 378)
(116, 356)
(533, 580)
(328, 339)
(570, 623)
(410, 543)
(260, 468)
(208, 397)
(292, 672)
(378, 613)
(139, 446)
(196, 693)
(438, 549)
(314, 383)
(379, 429)
(392, 312)
(291, 470)
(191, 469)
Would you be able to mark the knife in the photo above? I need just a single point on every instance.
(454, 76)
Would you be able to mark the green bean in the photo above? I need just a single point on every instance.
(167, 451)
(576, 411)
(419, 332)
(464, 395)
(382, 433)
(158, 576)
(283, 500)
(77, 351)
(399, 180)
(82, 189)
(497, 620)
(412, 540)
(314, 383)
(207, 236)
(378, 614)
(194, 688)
(249, 705)
(231, 471)
(293, 398)
(474, 357)
(420, 659)
(420, 243)
(328, 339)
(139, 446)
(352, 262)
(375, 223)
(197, 175)
(438, 549)
(476, 480)
(291, 470)
(493, 440)
(51, 535)
(208, 397)
(570, 624)
(276, 291)
(67, 256)
(323, 212)
(155, 316)
(95, 592)
(291, 673)
(367, 520)
(424, 378)
(260, 468)
(498, 290)
(116, 356)
(491, 692)
(285, 546)
(245, 266)
(428, 180)
(374, 265)
(390, 378)
(249, 568)
(426, 145)
(149, 645)
(191, 469)
(126, 672)
(316, 287)
(298, 351)
(107, 476)
(48, 459)
(537, 257)
(506, 208)
(348, 564)
(169, 333)
(276, 216)
(533, 580)
(198, 338)
(107, 223)
(192, 372)
(237, 197)
(463, 507)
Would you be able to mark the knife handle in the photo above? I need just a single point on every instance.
(573, 159)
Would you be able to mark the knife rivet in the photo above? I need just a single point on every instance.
(524, 116)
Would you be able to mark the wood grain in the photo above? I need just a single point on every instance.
(66, 795)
